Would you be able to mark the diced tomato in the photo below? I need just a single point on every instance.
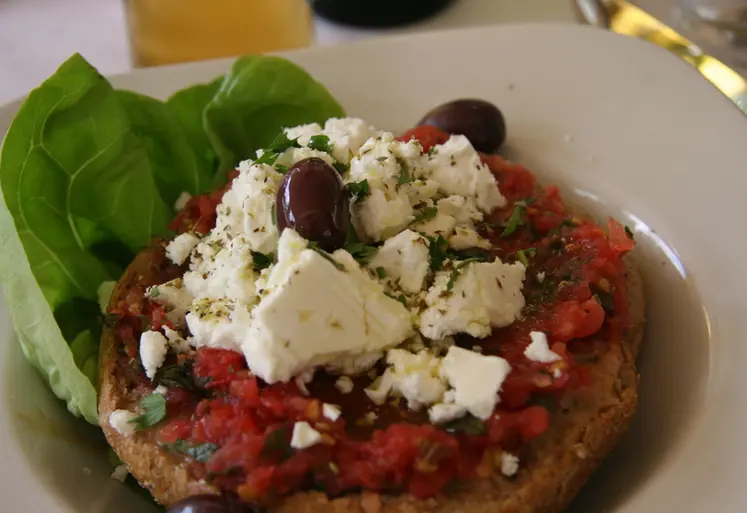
(426, 135)
(620, 241)
(574, 319)
(216, 367)
(533, 421)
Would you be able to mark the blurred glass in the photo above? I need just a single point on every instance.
(718, 26)
(170, 31)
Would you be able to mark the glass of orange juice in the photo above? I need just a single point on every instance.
(170, 31)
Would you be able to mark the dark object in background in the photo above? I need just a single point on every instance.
(377, 13)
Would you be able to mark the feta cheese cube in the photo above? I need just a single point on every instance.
(509, 464)
(293, 331)
(153, 350)
(180, 247)
(354, 364)
(331, 411)
(347, 135)
(218, 323)
(176, 342)
(457, 167)
(539, 351)
(442, 224)
(483, 295)
(303, 132)
(414, 376)
(344, 384)
(121, 421)
(174, 297)
(404, 259)
(383, 213)
(442, 413)
(304, 436)
(463, 209)
(464, 237)
(226, 273)
(476, 379)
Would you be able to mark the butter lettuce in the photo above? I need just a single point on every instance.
(88, 176)
(259, 97)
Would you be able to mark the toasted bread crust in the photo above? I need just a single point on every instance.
(554, 467)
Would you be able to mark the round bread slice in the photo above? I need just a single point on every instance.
(554, 466)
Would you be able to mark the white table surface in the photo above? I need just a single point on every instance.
(36, 36)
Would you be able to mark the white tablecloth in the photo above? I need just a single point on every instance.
(36, 36)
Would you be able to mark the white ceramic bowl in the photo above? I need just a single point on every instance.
(623, 127)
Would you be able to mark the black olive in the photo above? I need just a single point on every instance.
(213, 504)
(312, 200)
(479, 121)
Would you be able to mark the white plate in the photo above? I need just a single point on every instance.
(626, 128)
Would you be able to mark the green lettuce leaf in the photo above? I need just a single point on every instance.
(75, 178)
(175, 164)
(188, 106)
(260, 96)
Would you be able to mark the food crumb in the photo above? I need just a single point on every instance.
(120, 473)
(509, 464)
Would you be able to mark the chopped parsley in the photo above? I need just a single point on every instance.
(154, 411)
(400, 298)
(381, 273)
(432, 150)
(516, 219)
(199, 452)
(425, 214)
(363, 253)
(404, 173)
(280, 168)
(320, 142)
(267, 157)
(523, 255)
(341, 167)
(282, 143)
(153, 292)
(358, 190)
(261, 261)
(438, 251)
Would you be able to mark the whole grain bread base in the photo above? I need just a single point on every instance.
(553, 468)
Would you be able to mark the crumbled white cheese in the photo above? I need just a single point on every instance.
(539, 351)
(218, 323)
(465, 237)
(483, 295)
(304, 436)
(383, 214)
(153, 349)
(121, 421)
(347, 135)
(344, 384)
(120, 473)
(404, 260)
(442, 413)
(293, 331)
(541, 276)
(476, 379)
(180, 247)
(331, 411)
(303, 132)
(226, 272)
(509, 464)
(354, 364)
(414, 376)
(182, 200)
(457, 167)
(176, 342)
(174, 297)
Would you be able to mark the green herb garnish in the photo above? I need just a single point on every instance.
(363, 253)
(282, 143)
(276, 445)
(358, 190)
(381, 273)
(515, 220)
(280, 168)
(458, 270)
(523, 255)
(267, 157)
(261, 261)
(341, 167)
(199, 452)
(425, 214)
(153, 292)
(438, 251)
(432, 150)
(154, 411)
(177, 376)
(320, 142)
(404, 174)
(400, 298)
